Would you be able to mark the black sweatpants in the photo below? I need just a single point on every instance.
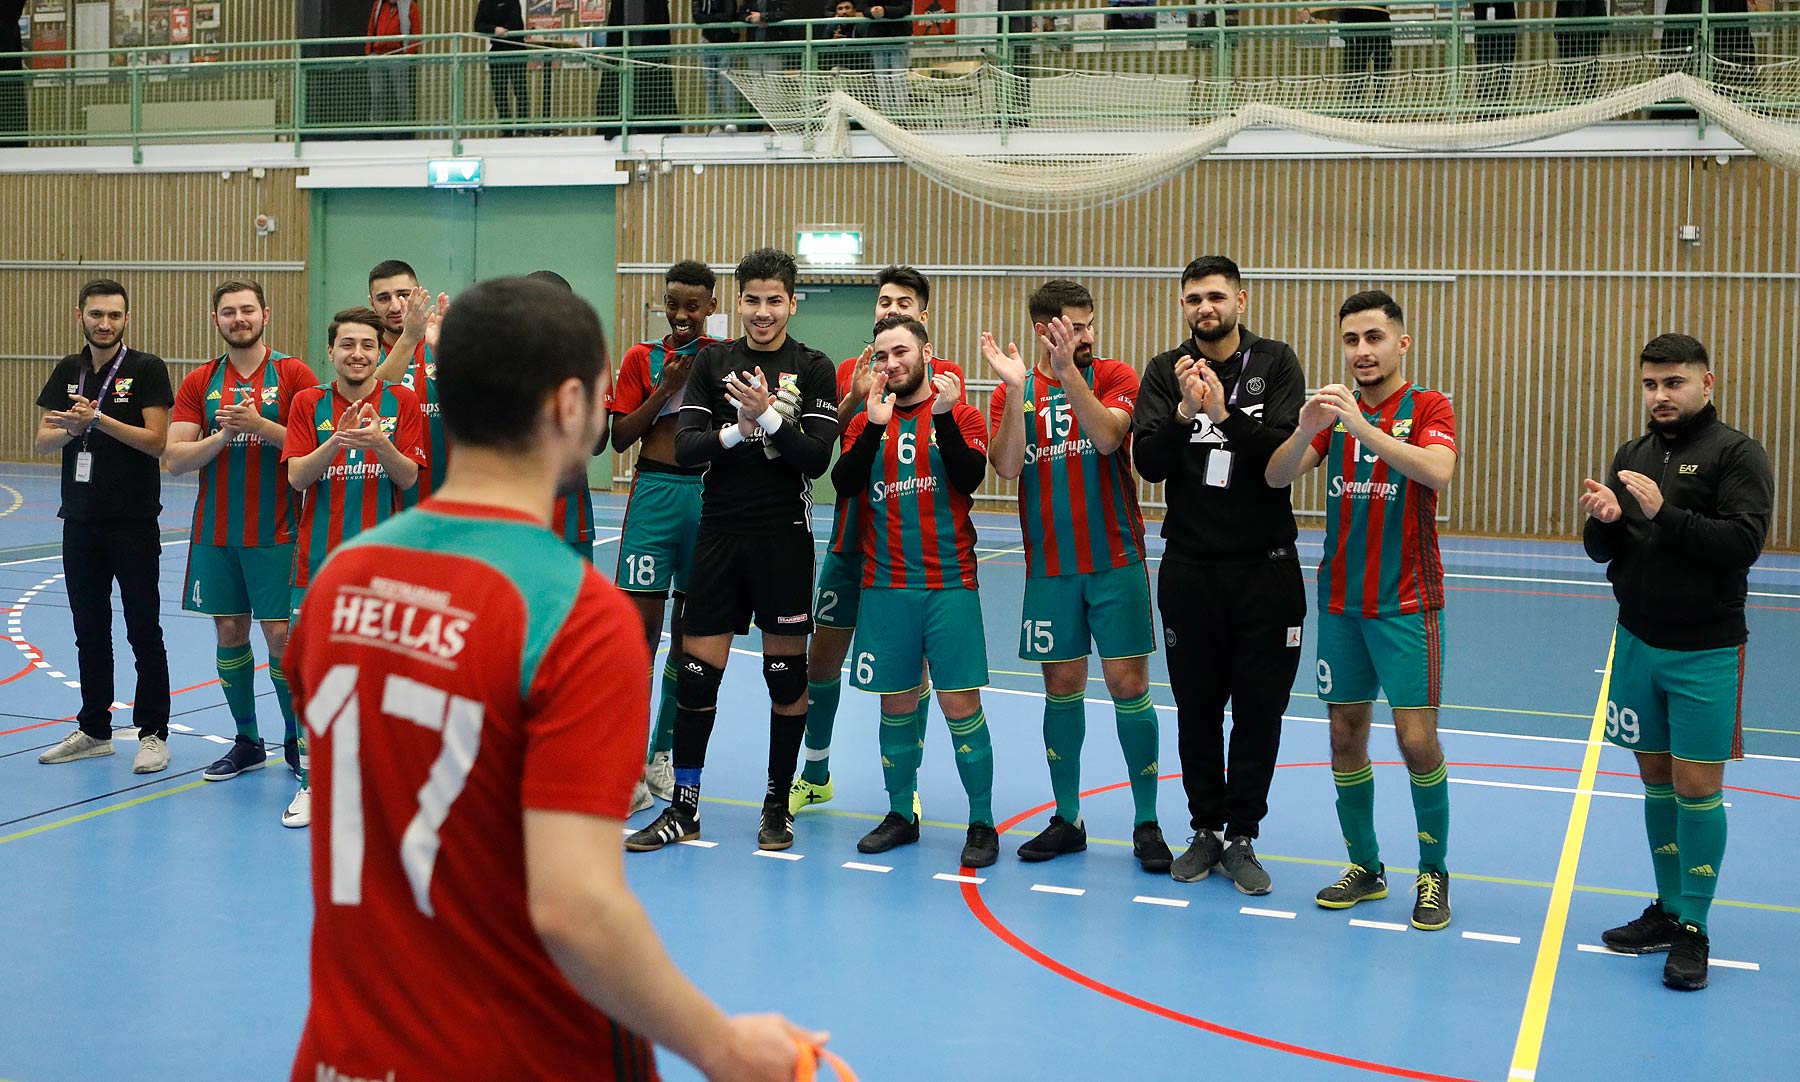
(94, 555)
(1232, 633)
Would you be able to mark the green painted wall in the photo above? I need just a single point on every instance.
(455, 238)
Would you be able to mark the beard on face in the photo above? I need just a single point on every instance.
(105, 337)
(909, 383)
(1225, 326)
(240, 339)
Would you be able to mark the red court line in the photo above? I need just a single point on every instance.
(971, 894)
(972, 898)
(28, 667)
(71, 717)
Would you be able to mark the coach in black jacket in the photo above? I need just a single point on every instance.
(1209, 414)
(504, 23)
(1679, 522)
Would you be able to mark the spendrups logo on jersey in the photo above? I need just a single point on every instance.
(1054, 452)
(1363, 490)
(403, 617)
(912, 486)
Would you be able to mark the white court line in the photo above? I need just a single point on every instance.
(859, 866)
(216, 739)
(1173, 903)
(1045, 888)
(699, 844)
(1278, 914)
(181, 728)
(1549, 788)
(1489, 937)
(773, 854)
(1724, 963)
(948, 878)
(1589, 948)
(1380, 925)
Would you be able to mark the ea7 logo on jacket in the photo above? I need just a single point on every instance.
(1690, 467)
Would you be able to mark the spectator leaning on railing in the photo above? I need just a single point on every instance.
(845, 54)
(504, 23)
(891, 23)
(393, 83)
(722, 98)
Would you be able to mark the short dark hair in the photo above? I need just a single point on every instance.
(770, 264)
(1208, 266)
(1057, 296)
(247, 285)
(391, 268)
(900, 319)
(553, 278)
(691, 272)
(506, 346)
(354, 314)
(905, 277)
(103, 287)
(1371, 299)
(1675, 349)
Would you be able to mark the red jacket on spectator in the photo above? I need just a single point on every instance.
(385, 20)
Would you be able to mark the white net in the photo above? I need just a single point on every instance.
(927, 119)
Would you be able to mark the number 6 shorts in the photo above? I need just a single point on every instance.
(903, 629)
(662, 517)
(1685, 703)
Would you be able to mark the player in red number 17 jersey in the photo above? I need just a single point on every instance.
(476, 695)
(1391, 447)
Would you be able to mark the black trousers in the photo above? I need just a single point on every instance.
(506, 81)
(1228, 630)
(95, 555)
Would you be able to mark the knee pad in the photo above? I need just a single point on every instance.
(697, 685)
(786, 677)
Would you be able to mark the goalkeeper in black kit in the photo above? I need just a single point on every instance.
(761, 415)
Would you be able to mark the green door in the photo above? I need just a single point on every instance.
(455, 238)
(836, 320)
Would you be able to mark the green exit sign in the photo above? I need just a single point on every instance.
(453, 172)
(829, 245)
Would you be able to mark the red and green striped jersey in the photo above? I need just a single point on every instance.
(245, 499)
(422, 373)
(355, 493)
(1381, 547)
(641, 370)
(846, 537)
(918, 534)
(1077, 507)
(573, 516)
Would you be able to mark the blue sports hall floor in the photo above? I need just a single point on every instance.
(157, 927)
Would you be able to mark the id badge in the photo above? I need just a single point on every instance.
(84, 467)
(1218, 468)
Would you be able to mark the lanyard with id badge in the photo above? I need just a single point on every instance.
(1218, 459)
(84, 459)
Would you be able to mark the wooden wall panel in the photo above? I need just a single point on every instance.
(1530, 284)
(169, 238)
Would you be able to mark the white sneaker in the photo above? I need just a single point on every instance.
(152, 756)
(640, 798)
(77, 745)
(299, 810)
(660, 776)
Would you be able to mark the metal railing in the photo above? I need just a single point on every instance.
(614, 81)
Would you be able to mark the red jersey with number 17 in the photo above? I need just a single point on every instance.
(457, 667)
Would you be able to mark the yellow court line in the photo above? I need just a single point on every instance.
(97, 812)
(18, 501)
(1530, 1045)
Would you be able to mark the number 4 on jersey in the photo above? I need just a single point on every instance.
(336, 706)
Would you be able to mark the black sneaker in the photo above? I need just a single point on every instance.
(1060, 837)
(1651, 933)
(673, 825)
(982, 847)
(893, 830)
(1197, 861)
(1685, 968)
(1358, 884)
(290, 753)
(1431, 912)
(1148, 846)
(245, 755)
(1240, 865)
(777, 831)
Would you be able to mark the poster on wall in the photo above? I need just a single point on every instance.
(593, 11)
(127, 25)
(565, 5)
(926, 21)
(156, 33)
(49, 33)
(181, 25)
(206, 16)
